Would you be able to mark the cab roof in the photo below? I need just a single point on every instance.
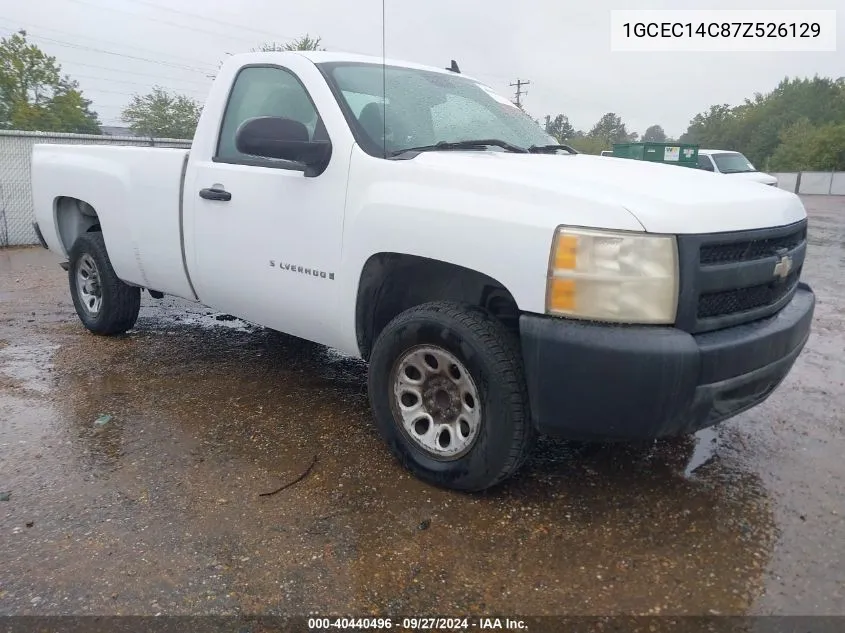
(322, 57)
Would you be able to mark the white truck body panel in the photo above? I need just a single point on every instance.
(136, 192)
(492, 212)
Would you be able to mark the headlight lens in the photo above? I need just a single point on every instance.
(613, 276)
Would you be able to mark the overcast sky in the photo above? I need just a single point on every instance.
(117, 47)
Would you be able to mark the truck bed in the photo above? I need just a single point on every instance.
(136, 195)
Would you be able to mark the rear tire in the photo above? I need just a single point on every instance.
(448, 393)
(104, 304)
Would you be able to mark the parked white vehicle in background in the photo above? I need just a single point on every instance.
(737, 165)
(498, 286)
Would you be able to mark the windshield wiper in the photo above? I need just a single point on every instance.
(455, 145)
(543, 149)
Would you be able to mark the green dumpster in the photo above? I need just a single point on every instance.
(669, 153)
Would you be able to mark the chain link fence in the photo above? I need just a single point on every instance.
(16, 212)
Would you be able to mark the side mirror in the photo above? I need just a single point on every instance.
(285, 139)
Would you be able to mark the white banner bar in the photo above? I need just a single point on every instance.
(723, 31)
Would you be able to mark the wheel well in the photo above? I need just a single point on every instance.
(392, 283)
(73, 218)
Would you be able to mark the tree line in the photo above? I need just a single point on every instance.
(800, 125)
(608, 131)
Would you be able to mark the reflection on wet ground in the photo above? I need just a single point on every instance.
(158, 508)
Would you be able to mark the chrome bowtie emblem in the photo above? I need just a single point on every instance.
(783, 267)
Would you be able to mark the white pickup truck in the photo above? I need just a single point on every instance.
(499, 286)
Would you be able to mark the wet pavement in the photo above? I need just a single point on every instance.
(159, 507)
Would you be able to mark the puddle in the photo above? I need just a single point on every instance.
(27, 365)
(166, 319)
(704, 451)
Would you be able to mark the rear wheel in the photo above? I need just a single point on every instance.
(448, 393)
(104, 304)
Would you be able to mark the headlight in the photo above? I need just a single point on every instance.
(613, 276)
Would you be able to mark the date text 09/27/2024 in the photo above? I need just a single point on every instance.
(415, 624)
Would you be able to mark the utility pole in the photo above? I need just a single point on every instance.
(519, 91)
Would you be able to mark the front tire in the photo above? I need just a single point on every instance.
(104, 304)
(448, 392)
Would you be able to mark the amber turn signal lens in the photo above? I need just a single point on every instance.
(566, 253)
(562, 295)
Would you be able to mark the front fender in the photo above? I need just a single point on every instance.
(501, 229)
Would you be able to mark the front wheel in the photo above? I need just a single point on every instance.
(104, 304)
(448, 392)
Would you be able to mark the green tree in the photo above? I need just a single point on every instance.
(654, 134)
(34, 95)
(714, 128)
(610, 129)
(587, 144)
(804, 146)
(304, 43)
(559, 127)
(162, 114)
(756, 127)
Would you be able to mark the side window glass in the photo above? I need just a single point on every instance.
(265, 92)
(704, 163)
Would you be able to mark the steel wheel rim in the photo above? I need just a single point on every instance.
(436, 401)
(88, 285)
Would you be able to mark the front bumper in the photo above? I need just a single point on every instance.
(597, 381)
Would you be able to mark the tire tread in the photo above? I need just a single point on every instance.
(124, 301)
(503, 346)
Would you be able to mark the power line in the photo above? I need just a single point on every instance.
(229, 25)
(95, 40)
(106, 52)
(111, 92)
(123, 71)
(197, 16)
(128, 72)
(519, 91)
(167, 22)
(131, 83)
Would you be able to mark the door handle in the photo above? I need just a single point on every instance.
(214, 193)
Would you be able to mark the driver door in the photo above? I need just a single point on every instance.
(267, 243)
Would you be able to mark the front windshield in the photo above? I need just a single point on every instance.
(732, 163)
(424, 108)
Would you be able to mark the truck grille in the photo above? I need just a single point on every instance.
(733, 278)
(713, 304)
(750, 250)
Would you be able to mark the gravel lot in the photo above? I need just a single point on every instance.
(158, 509)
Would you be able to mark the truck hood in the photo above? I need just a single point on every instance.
(662, 198)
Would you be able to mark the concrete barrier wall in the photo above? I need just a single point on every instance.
(16, 213)
(823, 183)
(786, 180)
(815, 182)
